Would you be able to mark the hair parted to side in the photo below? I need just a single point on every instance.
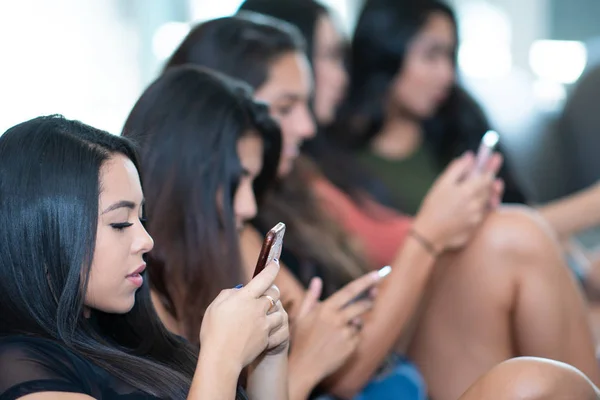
(49, 194)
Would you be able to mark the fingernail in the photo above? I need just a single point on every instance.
(383, 272)
(239, 286)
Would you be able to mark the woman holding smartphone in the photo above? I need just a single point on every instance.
(205, 147)
(76, 318)
(484, 271)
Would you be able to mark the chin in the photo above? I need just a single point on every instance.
(123, 308)
(326, 118)
(285, 168)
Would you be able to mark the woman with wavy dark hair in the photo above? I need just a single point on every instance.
(76, 318)
(408, 116)
(275, 64)
(206, 148)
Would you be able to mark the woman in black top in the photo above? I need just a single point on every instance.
(75, 312)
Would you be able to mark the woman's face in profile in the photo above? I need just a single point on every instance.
(250, 153)
(121, 240)
(331, 77)
(287, 91)
(427, 75)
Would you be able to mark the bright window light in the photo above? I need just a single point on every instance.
(167, 38)
(485, 50)
(477, 60)
(558, 61)
(202, 10)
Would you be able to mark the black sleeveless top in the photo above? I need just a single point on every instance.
(32, 365)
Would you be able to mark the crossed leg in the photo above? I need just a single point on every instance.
(507, 294)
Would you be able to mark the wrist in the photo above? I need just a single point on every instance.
(215, 377)
(219, 363)
(429, 236)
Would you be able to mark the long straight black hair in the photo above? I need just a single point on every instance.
(381, 40)
(244, 47)
(187, 125)
(49, 189)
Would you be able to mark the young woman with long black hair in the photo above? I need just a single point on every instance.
(76, 318)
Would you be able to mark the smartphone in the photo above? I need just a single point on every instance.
(383, 272)
(489, 141)
(271, 247)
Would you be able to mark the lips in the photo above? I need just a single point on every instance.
(138, 271)
(135, 277)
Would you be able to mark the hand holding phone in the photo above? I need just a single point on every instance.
(489, 141)
(271, 248)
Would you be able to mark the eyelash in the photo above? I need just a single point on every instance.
(122, 226)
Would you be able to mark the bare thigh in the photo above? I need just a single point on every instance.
(508, 293)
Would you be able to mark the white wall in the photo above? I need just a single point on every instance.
(71, 57)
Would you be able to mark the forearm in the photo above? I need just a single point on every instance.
(395, 305)
(301, 379)
(267, 378)
(216, 378)
(574, 213)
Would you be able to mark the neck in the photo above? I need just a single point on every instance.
(399, 138)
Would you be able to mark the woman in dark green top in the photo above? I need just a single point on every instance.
(405, 113)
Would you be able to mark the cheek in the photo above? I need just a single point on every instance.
(411, 87)
(107, 287)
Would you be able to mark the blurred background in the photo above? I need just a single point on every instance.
(90, 60)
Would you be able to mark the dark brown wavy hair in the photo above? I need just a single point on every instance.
(244, 47)
(187, 125)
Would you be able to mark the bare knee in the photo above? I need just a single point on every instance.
(516, 229)
(517, 235)
(531, 379)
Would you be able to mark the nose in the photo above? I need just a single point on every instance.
(305, 124)
(446, 72)
(143, 242)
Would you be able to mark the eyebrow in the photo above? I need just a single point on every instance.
(121, 204)
(289, 97)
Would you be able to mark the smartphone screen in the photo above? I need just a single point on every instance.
(489, 141)
(271, 248)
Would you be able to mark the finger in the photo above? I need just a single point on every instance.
(352, 290)
(373, 292)
(494, 163)
(498, 191)
(355, 310)
(311, 298)
(478, 185)
(278, 338)
(263, 281)
(276, 320)
(357, 323)
(270, 305)
(458, 168)
(274, 292)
